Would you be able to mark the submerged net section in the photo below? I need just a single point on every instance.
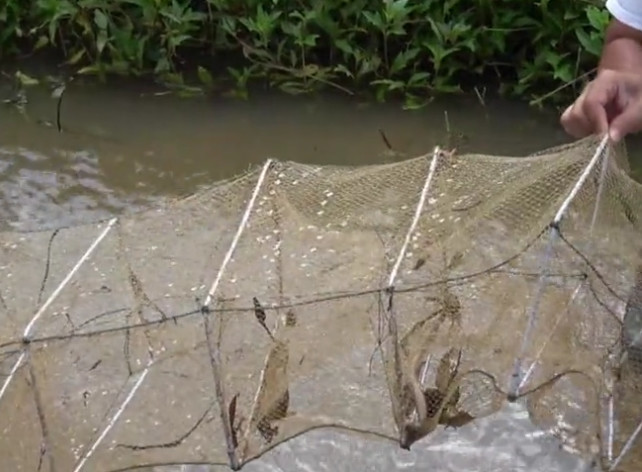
(387, 300)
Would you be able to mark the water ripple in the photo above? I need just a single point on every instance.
(61, 189)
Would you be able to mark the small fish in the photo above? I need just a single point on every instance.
(279, 411)
(456, 420)
(231, 412)
(259, 312)
(419, 264)
(455, 260)
(266, 430)
(231, 409)
(434, 399)
(290, 319)
(440, 403)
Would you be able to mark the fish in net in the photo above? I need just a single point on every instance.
(388, 301)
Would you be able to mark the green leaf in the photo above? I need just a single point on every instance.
(101, 41)
(189, 92)
(42, 42)
(344, 46)
(397, 8)
(564, 72)
(599, 18)
(390, 84)
(413, 102)
(205, 77)
(293, 88)
(58, 91)
(374, 19)
(174, 78)
(403, 59)
(25, 80)
(343, 70)
(418, 78)
(100, 19)
(89, 70)
(76, 57)
(590, 44)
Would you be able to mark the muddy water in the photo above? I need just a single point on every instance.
(124, 148)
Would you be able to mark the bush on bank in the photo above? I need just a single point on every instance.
(412, 48)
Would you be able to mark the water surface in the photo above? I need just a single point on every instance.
(123, 147)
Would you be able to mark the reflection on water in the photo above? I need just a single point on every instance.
(124, 148)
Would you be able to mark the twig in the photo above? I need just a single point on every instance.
(272, 65)
(60, 91)
(448, 131)
(561, 87)
(480, 97)
(385, 139)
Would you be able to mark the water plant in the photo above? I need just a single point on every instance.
(410, 48)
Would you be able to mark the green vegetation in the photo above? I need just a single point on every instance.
(410, 48)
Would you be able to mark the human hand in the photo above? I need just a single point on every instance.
(611, 103)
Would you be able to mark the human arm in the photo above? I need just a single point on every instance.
(612, 102)
(622, 50)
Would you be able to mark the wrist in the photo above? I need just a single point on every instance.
(622, 55)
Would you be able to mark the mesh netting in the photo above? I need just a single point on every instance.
(386, 300)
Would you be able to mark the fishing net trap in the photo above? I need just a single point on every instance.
(389, 300)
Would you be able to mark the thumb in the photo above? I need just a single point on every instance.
(595, 111)
(629, 121)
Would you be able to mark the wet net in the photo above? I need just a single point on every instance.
(388, 301)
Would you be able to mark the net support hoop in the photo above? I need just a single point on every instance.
(239, 232)
(52, 298)
(517, 380)
(415, 220)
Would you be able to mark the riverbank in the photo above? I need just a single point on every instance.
(380, 50)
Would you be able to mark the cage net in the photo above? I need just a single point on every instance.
(387, 300)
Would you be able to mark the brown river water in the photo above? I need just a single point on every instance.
(122, 147)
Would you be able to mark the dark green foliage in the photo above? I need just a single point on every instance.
(413, 48)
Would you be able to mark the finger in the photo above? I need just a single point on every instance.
(574, 121)
(596, 116)
(629, 121)
(594, 105)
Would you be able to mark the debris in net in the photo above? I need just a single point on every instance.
(234, 426)
(259, 312)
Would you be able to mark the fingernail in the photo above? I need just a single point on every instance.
(614, 135)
